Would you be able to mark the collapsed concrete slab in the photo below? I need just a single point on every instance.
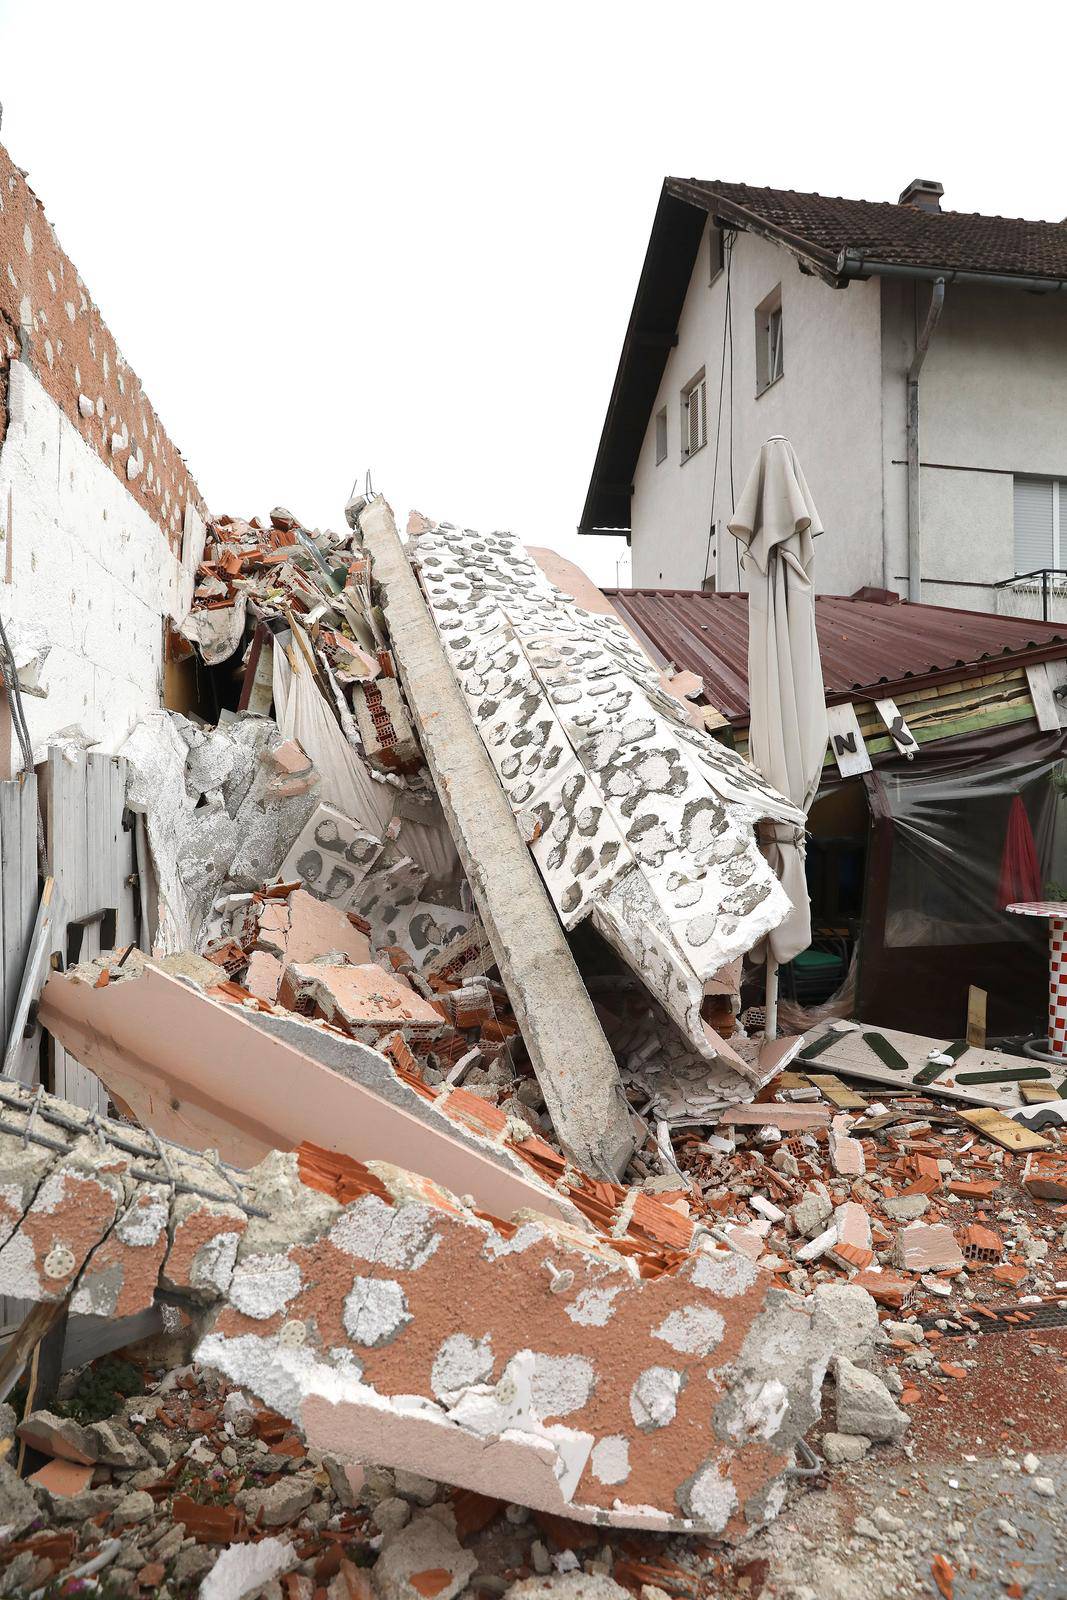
(635, 819)
(394, 1323)
(201, 1072)
(571, 1057)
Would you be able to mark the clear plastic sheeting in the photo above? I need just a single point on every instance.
(953, 830)
(951, 833)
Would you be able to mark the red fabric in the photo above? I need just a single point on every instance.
(1020, 875)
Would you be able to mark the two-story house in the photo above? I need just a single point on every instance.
(917, 359)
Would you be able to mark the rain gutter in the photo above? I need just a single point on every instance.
(915, 530)
(852, 263)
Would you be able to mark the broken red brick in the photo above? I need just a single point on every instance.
(944, 1575)
(981, 1244)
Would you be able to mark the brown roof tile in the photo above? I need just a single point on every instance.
(903, 235)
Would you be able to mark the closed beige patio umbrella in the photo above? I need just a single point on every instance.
(776, 521)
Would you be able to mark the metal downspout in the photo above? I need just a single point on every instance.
(915, 535)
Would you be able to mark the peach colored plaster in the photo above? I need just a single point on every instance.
(596, 1327)
(196, 1071)
(299, 928)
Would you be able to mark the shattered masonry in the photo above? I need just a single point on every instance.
(597, 1379)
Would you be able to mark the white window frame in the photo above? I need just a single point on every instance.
(770, 342)
(661, 435)
(694, 394)
(775, 363)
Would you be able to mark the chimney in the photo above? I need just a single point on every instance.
(923, 193)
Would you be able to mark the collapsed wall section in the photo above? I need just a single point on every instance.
(94, 495)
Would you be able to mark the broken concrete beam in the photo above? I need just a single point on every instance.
(864, 1404)
(157, 1044)
(570, 1055)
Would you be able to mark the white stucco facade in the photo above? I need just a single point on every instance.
(993, 405)
(83, 562)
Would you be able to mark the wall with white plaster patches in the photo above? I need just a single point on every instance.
(84, 562)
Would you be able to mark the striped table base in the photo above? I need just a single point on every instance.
(1057, 987)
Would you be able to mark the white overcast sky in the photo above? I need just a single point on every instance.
(331, 236)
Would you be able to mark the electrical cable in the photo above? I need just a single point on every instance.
(728, 252)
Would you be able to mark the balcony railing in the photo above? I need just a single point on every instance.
(1042, 592)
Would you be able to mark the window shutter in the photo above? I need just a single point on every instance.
(703, 411)
(1033, 524)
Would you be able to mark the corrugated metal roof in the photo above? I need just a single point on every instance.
(866, 645)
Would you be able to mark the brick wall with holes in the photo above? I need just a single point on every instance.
(48, 320)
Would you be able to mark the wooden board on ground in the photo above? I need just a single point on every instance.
(775, 1113)
(976, 1010)
(1003, 1131)
(851, 1057)
(92, 856)
(1037, 1094)
(838, 1093)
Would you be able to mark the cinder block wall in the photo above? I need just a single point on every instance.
(94, 494)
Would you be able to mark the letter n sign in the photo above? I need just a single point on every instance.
(846, 741)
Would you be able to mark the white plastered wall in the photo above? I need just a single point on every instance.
(993, 403)
(81, 559)
(828, 403)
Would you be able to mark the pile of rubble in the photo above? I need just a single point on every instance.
(321, 1284)
(472, 1233)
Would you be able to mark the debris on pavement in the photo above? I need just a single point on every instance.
(605, 1377)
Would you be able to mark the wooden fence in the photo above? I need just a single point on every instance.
(92, 858)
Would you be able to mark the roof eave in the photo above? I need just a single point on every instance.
(607, 501)
(819, 261)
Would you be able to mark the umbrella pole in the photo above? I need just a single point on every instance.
(770, 1004)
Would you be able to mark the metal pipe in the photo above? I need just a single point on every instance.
(854, 264)
(915, 537)
(770, 999)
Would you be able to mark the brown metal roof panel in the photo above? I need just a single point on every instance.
(864, 644)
